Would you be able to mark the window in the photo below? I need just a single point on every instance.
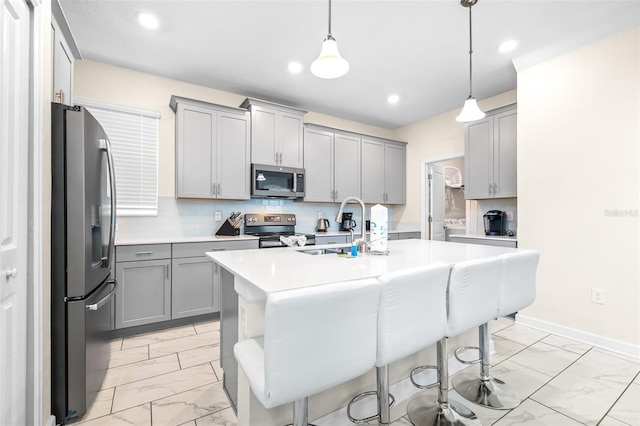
(133, 134)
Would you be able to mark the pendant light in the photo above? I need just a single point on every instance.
(329, 64)
(470, 111)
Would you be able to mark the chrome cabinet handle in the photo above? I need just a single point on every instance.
(495, 188)
(219, 190)
(10, 273)
(166, 270)
(144, 253)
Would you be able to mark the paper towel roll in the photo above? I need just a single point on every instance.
(379, 231)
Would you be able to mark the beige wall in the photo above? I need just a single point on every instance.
(123, 86)
(578, 160)
(438, 136)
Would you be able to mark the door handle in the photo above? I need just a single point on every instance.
(105, 146)
(10, 273)
(105, 299)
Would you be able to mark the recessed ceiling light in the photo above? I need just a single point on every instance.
(147, 20)
(295, 67)
(393, 99)
(507, 46)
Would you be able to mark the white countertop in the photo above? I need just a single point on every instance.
(128, 241)
(484, 237)
(261, 272)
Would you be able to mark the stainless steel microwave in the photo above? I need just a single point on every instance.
(276, 182)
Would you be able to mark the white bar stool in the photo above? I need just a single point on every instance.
(412, 316)
(516, 290)
(314, 338)
(472, 300)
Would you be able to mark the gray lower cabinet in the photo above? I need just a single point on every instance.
(143, 295)
(159, 282)
(404, 235)
(196, 287)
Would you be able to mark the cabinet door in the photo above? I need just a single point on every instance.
(318, 165)
(263, 136)
(195, 175)
(291, 144)
(504, 154)
(62, 67)
(346, 167)
(372, 171)
(395, 174)
(232, 157)
(143, 295)
(479, 159)
(195, 289)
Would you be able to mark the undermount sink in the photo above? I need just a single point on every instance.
(318, 251)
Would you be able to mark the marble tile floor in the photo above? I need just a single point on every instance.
(173, 377)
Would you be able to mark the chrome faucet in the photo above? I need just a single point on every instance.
(362, 241)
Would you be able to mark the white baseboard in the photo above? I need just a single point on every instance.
(607, 343)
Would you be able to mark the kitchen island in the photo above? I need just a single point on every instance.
(249, 276)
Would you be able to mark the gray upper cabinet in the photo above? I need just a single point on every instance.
(490, 155)
(383, 171)
(212, 150)
(332, 164)
(276, 133)
(64, 53)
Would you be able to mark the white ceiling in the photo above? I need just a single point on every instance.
(417, 49)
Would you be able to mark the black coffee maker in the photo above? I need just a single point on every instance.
(495, 222)
(347, 221)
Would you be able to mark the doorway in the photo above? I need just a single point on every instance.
(443, 204)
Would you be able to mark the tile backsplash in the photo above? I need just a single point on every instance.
(185, 218)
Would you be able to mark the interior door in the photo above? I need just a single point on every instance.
(14, 141)
(436, 203)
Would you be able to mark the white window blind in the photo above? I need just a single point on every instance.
(133, 134)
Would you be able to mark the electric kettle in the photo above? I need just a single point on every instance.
(323, 225)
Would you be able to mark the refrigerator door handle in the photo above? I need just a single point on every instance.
(105, 299)
(105, 146)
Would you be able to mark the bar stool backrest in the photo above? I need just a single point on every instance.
(318, 337)
(413, 311)
(517, 288)
(473, 293)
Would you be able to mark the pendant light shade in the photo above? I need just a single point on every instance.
(329, 64)
(470, 111)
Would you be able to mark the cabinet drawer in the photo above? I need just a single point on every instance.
(408, 235)
(199, 249)
(143, 252)
(332, 239)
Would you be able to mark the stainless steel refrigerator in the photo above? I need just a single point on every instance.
(82, 255)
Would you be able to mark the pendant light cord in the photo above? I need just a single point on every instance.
(330, 36)
(470, 55)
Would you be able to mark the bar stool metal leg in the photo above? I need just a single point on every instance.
(485, 390)
(430, 411)
(385, 400)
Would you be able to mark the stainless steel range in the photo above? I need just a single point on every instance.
(271, 226)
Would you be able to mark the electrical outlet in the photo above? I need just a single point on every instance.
(319, 215)
(509, 214)
(218, 216)
(597, 296)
